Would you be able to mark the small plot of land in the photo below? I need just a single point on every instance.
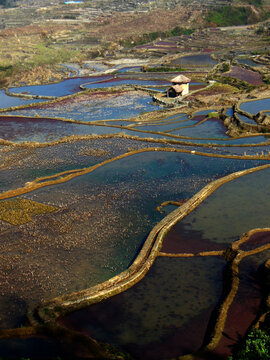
(21, 211)
(249, 76)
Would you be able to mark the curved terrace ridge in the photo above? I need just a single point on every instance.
(48, 312)
(70, 174)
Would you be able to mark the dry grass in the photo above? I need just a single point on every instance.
(29, 54)
(21, 211)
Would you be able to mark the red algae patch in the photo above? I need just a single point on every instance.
(188, 338)
(258, 239)
(196, 87)
(242, 312)
(252, 77)
(198, 117)
(179, 240)
(216, 89)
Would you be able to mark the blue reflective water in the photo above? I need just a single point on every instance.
(8, 101)
(229, 112)
(200, 60)
(231, 141)
(172, 175)
(254, 107)
(160, 89)
(120, 82)
(89, 108)
(175, 116)
(243, 208)
(44, 130)
(130, 69)
(248, 62)
(208, 129)
(66, 87)
(246, 119)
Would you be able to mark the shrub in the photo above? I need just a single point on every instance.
(227, 16)
(256, 347)
(225, 67)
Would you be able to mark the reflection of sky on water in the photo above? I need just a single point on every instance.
(120, 82)
(248, 62)
(246, 119)
(172, 175)
(65, 87)
(231, 141)
(72, 85)
(93, 108)
(243, 208)
(122, 204)
(208, 129)
(9, 101)
(254, 107)
(202, 59)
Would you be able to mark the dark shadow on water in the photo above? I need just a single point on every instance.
(13, 310)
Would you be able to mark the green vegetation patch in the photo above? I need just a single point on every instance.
(5, 71)
(256, 347)
(21, 211)
(220, 88)
(149, 37)
(49, 55)
(213, 114)
(236, 83)
(228, 16)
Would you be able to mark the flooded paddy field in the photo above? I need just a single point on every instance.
(29, 163)
(253, 107)
(93, 107)
(195, 60)
(99, 224)
(63, 88)
(139, 321)
(20, 129)
(84, 183)
(248, 140)
(226, 223)
(123, 81)
(209, 129)
(247, 300)
(247, 61)
(246, 119)
(8, 101)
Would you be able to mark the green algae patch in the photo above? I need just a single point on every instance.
(22, 211)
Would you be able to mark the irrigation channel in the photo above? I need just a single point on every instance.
(119, 220)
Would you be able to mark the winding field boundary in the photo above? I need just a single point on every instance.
(49, 311)
(77, 300)
(70, 174)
